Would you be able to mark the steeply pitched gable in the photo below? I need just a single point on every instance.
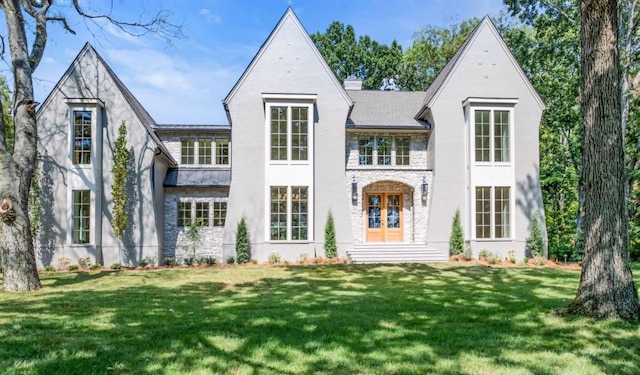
(440, 81)
(288, 17)
(141, 113)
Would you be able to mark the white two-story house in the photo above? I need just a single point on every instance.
(392, 167)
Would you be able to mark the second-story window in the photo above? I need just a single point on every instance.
(187, 151)
(289, 133)
(383, 150)
(222, 151)
(81, 137)
(204, 151)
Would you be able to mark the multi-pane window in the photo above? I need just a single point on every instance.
(365, 147)
(501, 136)
(289, 133)
(219, 213)
(502, 214)
(202, 213)
(500, 226)
(380, 150)
(278, 133)
(222, 151)
(80, 232)
(402, 150)
(483, 212)
(278, 226)
(188, 151)
(483, 138)
(204, 151)
(492, 133)
(299, 133)
(383, 145)
(299, 211)
(184, 214)
(81, 137)
(289, 213)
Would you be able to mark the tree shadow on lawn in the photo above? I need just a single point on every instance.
(410, 318)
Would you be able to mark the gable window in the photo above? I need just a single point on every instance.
(219, 213)
(80, 233)
(289, 132)
(493, 220)
(204, 151)
(222, 151)
(82, 137)
(492, 138)
(383, 150)
(289, 213)
(187, 151)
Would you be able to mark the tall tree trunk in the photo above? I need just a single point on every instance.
(16, 171)
(606, 287)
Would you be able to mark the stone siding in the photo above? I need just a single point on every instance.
(406, 179)
(172, 140)
(175, 240)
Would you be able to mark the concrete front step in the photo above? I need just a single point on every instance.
(395, 253)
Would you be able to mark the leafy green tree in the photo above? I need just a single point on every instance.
(193, 239)
(242, 242)
(361, 57)
(330, 246)
(432, 48)
(120, 171)
(456, 242)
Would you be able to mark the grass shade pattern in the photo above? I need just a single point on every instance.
(328, 319)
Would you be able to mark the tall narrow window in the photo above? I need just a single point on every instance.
(278, 213)
(188, 151)
(502, 217)
(501, 136)
(202, 213)
(483, 212)
(383, 145)
(184, 214)
(219, 213)
(278, 133)
(365, 147)
(222, 151)
(81, 137)
(204, 151)
(80, 232)
(482, 138)
(299, 211)
(402, 150)
(299, 133)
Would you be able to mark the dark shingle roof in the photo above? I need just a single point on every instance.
(386, 109)
(200, 177)
(190, 127)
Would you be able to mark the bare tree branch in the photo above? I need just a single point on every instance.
(158, 24)
(64, 23)
(40, 41)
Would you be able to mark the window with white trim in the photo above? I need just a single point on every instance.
(80, 232)
(383, 150)
(492, 137)
(82, 124)
(289, 132)
(289, 213)
(201, 150)
(219, 214)
(492, 212)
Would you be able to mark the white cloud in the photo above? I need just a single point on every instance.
(210, 17)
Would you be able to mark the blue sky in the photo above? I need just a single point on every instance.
(185, 81)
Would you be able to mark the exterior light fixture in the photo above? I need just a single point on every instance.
(354, 189)
(425, 189)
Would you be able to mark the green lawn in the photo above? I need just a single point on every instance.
(331, 319)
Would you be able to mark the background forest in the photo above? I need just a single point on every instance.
(545, 39)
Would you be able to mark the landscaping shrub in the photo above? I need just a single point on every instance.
(456, 242)
(50, 268)
(231, 259)
(190, 261)
(209, 261)
(303, 258)
(95, 266)
(242, 242)
(330, 246)
(147, 261)
(116, 266)
(63, 263)
(73, 267)
(274, 257)
(535, 243)
(484, 254)
(170, 262)
(84, 262)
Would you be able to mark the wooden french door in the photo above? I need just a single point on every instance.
(384, 217)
